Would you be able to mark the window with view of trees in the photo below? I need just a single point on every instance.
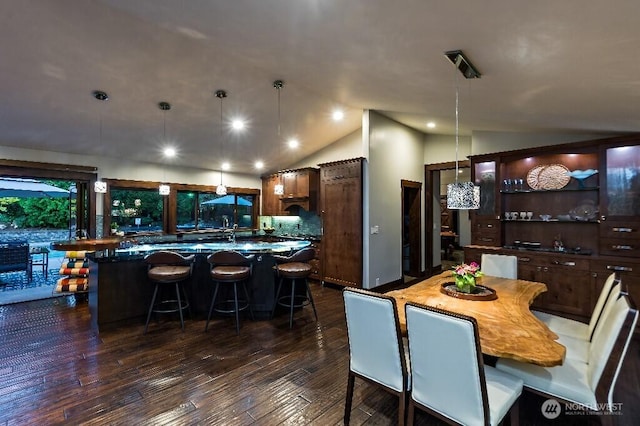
(136, 210)
(207, 210)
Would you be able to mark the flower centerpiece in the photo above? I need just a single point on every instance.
(465, 276)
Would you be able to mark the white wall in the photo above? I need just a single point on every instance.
(442, 148)
(396, 152)
(121, 168)
(344, 148)
(485, 142)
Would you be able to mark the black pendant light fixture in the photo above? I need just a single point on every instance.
(278, 189)
(164, 189)
(100, 186)
(461, 195)
(221, 189)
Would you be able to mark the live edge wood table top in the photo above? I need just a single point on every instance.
(87, 244)
(506, 326)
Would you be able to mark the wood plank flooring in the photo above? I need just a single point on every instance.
(54, 369)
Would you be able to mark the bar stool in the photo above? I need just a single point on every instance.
(295, 268)
(165, 268)
(230, 267)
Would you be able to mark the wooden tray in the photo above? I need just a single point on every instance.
(482, 293)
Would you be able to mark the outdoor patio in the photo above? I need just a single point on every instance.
(16, 287)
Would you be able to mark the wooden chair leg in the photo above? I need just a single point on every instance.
(402, 403)
(347, 403)
(410, 413)
(514, 419)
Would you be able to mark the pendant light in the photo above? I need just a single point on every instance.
(100, 186)
(462, 195)
(278, 189)
(221, 189)
(164, 189)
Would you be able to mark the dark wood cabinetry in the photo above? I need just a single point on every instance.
(341, 207)
(568, 231)
(300, 189)
(316, 262)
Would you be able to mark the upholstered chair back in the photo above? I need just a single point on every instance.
(499, 265)
(375, 343)
(602, 299)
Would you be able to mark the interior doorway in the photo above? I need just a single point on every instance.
(411, 229)
(445, 231)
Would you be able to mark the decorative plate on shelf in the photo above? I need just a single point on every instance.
(552, 176)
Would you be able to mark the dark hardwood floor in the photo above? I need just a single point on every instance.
(55, 369)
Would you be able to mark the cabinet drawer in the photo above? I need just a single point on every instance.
(569, 264)
(486, 239)
(620, 230)
(624, 269)
(620, 247)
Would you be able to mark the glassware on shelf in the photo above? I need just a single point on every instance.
(581, 175)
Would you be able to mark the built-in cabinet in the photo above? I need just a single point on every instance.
(299, 190)
(571, 213)
(316, 262)
(341, 212)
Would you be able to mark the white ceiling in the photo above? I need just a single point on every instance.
(547, 65)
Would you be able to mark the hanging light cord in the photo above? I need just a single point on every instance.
(221, 141)
(457, 122)
(278, 88)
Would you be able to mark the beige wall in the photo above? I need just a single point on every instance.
(110, 168)
(350, 146)
(396, 152)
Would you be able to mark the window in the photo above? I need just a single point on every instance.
(207, 210)
(136, 210)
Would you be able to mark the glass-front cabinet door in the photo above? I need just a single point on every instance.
(485, 221)
(620, 201)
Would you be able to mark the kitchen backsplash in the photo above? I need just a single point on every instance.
(307, 223)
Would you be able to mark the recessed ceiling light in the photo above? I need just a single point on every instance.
(337, 115)
(259, 164)
(226, 166)
(431, 125)
(293, 143)
(169, 152)
(237, 124)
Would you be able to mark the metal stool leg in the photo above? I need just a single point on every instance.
(313, 305)
(179, 305)
(153, 300)
(246, 294)
(237, 312)
(213, 300)
(275, 302)
(293, 299)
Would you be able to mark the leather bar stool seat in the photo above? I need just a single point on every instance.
(296, 269)
(230, 268)
(166, 268)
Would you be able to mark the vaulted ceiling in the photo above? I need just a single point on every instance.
(560, 66)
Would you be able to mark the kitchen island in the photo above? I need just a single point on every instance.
(119, 291)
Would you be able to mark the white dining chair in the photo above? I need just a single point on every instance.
(589, 384)
(499, 265)
(576, 329)
(448, 376)
(376, 351)
(578, 349)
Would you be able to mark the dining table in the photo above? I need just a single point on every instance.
(506, 326)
